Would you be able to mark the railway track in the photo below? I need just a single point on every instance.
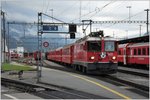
(48, 93)
(132, 71)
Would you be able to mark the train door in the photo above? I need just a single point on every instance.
(124, 56)
(127, 55)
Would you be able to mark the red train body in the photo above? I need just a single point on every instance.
(58, 55)
(94, 54)
(91, 54)
(134, 53)
(67, 54)
(14, 55)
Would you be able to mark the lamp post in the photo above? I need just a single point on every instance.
(140, 30)
(52, 13)
(147, 23)
(129, 12)
(127, 34)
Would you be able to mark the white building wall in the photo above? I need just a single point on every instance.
(20, 51)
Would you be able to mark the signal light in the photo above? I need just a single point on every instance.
(72, 28)
(72, 35)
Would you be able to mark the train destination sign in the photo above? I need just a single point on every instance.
(50, 28)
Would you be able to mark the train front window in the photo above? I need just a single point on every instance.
(94, 46)
(109, 46)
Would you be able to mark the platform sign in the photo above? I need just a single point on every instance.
(50, 28)
(45, 44)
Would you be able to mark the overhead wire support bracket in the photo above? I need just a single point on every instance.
(89, 23)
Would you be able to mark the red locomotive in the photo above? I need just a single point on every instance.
(92, 54)
(134, 53)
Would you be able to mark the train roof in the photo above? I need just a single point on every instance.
(139, 44)
(59, 48)
(135, 40)
(134, 44)
(68, 45)
(88, 38)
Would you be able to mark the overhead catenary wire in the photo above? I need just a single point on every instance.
(102, 8)
(67, 9)
(126, 18)
(99, 9)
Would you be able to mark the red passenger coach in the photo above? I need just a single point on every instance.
(67, 54)
(58, 55)
(51, 55)
(134, 53)
(96, 54)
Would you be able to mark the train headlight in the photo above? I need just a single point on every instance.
(92, 57)
(114, 57)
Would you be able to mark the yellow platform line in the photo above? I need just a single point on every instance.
(100, 85)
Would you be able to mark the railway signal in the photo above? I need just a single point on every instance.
(72, 30)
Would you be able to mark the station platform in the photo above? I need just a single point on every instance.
(53, 77)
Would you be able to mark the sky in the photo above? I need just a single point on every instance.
(73, 11)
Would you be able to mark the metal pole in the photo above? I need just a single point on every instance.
(90, 26)
(1, 41)
(38, 52)
(4, 34)
(147, 10)
(8, 44)
(52, 14)
(127, 33)
(140, 30)
(129, 12)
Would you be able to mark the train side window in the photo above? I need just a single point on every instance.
(119, 52)
(144, 51)
(147, 51)
(139, 51)
(134, 51)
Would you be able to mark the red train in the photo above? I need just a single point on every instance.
(14, 55)
(134, 53)
(91, 54)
